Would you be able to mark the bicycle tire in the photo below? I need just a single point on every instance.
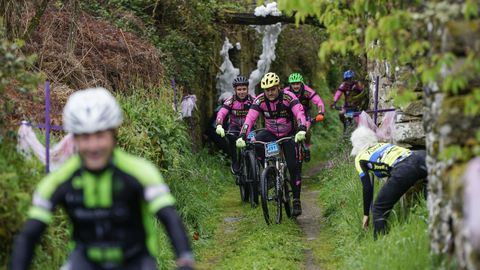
(243, 191)
(287, 195)
(278, 200)
(243, 185)
(267, 183)
(253, 176)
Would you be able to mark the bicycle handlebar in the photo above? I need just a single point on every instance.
(279, 141)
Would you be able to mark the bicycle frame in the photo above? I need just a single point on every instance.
(275, 160)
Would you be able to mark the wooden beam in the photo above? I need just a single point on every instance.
(250, 19)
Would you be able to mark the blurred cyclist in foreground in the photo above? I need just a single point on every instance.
(110, 197)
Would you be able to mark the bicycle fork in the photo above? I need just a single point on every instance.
(280, 168)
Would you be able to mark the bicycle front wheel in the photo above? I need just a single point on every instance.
(269, 195)
(287, 194)
(253, 176)
(244, 188)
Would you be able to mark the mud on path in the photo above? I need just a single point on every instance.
(310, 220)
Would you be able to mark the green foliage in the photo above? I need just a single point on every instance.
(151, 130)
(183, 30)
(399, 33)
(182, 57)
(19, 178)
(14, 71)
(470, 9)
(454, 152)
(405, 98)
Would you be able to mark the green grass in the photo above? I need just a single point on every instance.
(152, 130)
(406, 246)
(342, 243)
(18, 179)
(248, 243)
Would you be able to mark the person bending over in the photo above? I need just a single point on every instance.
(402, 166)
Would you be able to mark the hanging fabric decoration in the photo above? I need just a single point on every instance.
(188, 105)
(28, 143)
(385, 131)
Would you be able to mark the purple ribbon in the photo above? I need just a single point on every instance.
(47, 126)
(375, 111)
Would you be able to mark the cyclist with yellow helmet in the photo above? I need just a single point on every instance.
(279, 108)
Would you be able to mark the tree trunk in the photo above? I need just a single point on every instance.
(36, 19)
(72, 30)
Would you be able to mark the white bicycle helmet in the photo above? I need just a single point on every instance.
(91, 110)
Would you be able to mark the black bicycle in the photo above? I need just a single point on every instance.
(248, 177)
(275, 187)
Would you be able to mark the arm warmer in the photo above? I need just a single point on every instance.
(367, 194)
(175, 230)
(24, 244)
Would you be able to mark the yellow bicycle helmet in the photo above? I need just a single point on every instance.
(270, 79)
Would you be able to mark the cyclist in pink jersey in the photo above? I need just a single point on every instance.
(279, 108)
(353, 92)
(306, 95)
(236, 108)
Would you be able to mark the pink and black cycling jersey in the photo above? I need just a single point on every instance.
(305, 95)
(279, 114)
(236, 110)
(348, 88)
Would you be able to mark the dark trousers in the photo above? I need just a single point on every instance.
(78, 261)
(232, 148)
(289, 151)
(402, 177)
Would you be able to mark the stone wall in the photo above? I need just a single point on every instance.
(409, 130)
(446, 126)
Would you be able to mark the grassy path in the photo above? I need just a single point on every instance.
(243, 241)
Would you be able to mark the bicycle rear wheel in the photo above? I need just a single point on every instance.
(253, 177)
(269, 193)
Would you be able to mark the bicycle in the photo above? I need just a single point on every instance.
(274, 182)
(248, 177)
(349, 122)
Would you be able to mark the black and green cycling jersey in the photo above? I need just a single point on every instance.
(112, 211)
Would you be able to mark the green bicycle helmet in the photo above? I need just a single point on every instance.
(295, 78)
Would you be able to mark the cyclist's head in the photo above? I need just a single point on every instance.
(93, 115)
(361, 138)
(271, 85)
(296, 81)
(240, 84)
(348, 75)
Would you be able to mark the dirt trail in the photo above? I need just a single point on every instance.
(309, 221)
